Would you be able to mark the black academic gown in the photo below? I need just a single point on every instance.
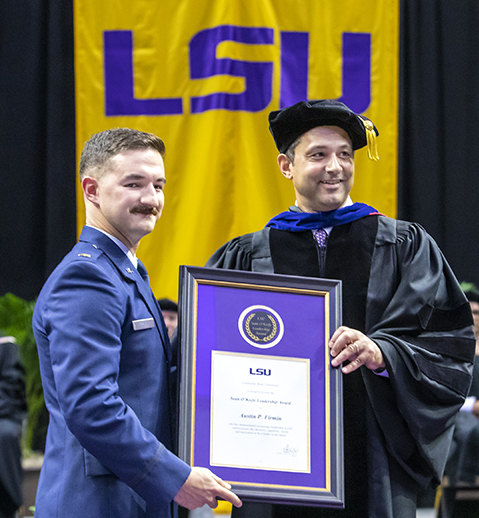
(398, 290)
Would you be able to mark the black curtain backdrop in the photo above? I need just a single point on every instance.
(439, 112)
(37, 142)
(438, 144)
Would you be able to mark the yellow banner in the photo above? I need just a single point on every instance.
(203, 75)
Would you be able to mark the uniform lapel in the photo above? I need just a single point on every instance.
(130, 274)
(148, 296)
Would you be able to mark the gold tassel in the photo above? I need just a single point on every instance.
(371, 137)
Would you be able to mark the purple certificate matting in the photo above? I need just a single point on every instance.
(279, 396)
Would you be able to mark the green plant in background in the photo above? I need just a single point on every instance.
(469, 287)
(16, 320)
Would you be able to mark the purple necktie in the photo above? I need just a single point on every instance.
(321, 235)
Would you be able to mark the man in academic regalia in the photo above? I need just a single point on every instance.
(406, 348)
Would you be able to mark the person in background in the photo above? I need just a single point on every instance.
(462, 468)
(169, 310)
(105, 354)
(13, 410)
(406, 346)
(472, 294)
(472, 404)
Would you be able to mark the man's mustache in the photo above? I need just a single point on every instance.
(144, 209)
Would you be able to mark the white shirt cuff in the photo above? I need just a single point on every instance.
(468, 404)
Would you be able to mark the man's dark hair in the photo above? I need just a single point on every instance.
(168, 305)
(105, 145)
(290, 151)
(470, 291)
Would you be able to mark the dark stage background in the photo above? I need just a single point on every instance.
(438, 144)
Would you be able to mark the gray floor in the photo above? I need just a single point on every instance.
(206, 512)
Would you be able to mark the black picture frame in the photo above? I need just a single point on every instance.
(216, 321)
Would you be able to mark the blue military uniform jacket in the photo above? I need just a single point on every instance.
(104, 359)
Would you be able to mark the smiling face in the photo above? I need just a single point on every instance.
(127, 199)
(322, 171)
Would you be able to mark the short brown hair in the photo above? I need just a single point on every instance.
(105, 145)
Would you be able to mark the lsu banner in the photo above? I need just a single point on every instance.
(203, 75)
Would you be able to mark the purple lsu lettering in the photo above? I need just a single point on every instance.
(260, 372)
(203, 63)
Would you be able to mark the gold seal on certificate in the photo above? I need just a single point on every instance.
(261, 326)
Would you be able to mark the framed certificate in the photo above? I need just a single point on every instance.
(260, 404)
